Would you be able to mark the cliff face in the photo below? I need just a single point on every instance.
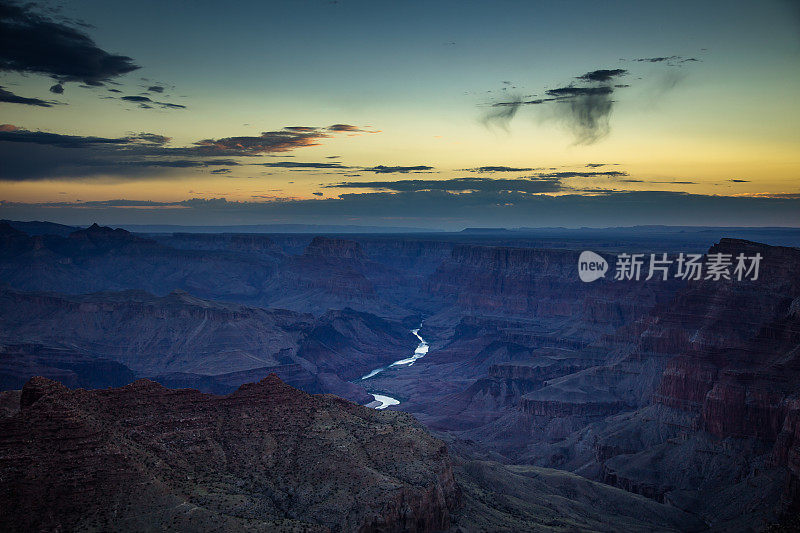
(740, 369)
(265, 458)
(541, 285)
(734, 371)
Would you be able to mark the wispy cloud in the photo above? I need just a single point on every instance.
(11, 98)
(584, 105)
(147, 103)
(33, 155)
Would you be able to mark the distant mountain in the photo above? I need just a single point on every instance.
(37, 227)
(274, 228)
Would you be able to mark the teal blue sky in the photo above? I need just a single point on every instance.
(698, 100)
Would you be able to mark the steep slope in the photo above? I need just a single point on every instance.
(265, 458)
(721, 419)
(181, 340)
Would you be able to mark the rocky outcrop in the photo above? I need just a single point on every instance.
(265, 458)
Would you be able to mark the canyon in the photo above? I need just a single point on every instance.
(551, 399)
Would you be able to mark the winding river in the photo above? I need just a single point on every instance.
(383, 400)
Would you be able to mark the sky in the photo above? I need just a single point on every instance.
(421, 114)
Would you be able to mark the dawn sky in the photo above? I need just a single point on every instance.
(425, 114)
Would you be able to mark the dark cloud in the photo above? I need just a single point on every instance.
(17, 135)
(631, 180)
(343, 127)
(667, 59)
(382, 169)
(174, 163)
(501, 113)
(135, 98)
(32, 43)
(297, 164)
(317, 194)
(379, 169)
(147, 139)
(156, 89)
(57, 88)
(739, 181)
(35, 155)
(527, 185)
(584, 174)
(584, 108)
(269, 141)
(566, 93)
(603, 75)
(168, 105)
(499, 169)
(11, 98)
(145, 102)
(348, 128)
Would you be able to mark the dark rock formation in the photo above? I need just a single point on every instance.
(265, 458)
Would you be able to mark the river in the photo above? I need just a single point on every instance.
(383, 400)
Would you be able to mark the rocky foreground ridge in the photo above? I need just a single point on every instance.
(266, 458)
